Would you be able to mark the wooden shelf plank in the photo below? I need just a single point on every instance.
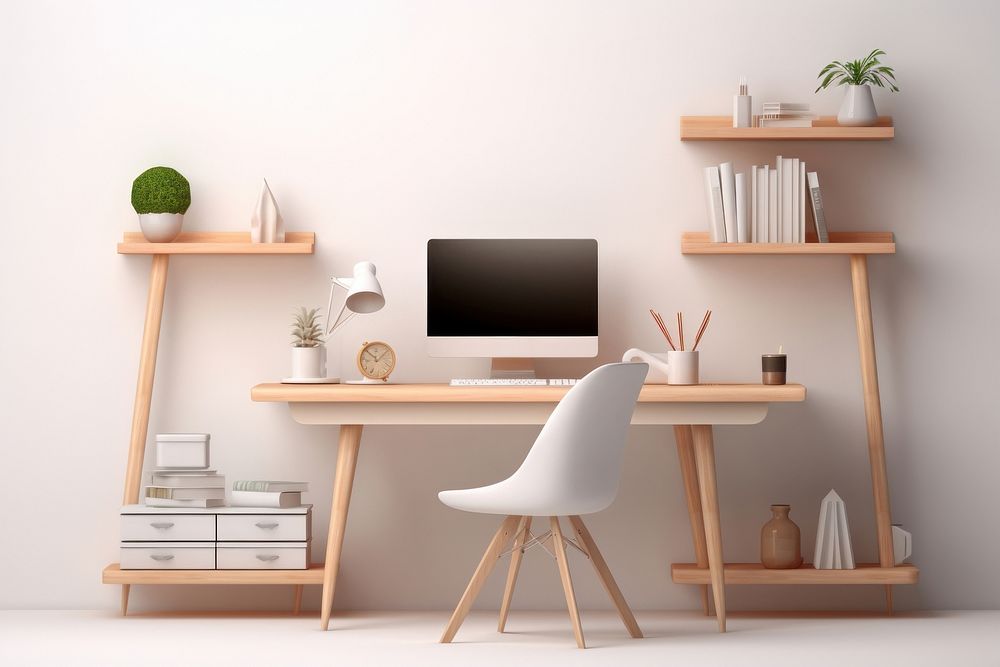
(755, 573)
(720, 128)
(113, 574)
(841, 243)
(217, 243)
(442, 393)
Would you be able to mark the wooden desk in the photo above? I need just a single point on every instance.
(692, 410)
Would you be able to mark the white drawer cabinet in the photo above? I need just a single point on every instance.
(223, 538)
(168, 527)
(167, 556)
(263, 527)
(262, 555)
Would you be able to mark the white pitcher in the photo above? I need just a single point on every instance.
(672, 367)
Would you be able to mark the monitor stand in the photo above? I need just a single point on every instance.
(512, 368)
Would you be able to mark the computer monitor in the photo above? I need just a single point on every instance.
(512, 297)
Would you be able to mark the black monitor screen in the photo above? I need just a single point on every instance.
(512, 287)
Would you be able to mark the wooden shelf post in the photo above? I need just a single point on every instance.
(144, 389)
(873, 413)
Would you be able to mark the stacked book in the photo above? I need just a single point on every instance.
(769, 206)
(184, 487)
(785, 114)
(261, 493)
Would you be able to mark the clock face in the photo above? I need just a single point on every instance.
(376, 360)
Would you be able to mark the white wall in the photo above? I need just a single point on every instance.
(382, 124)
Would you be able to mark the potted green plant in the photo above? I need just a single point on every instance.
(308, 352)
(858, 107)
(161, 196)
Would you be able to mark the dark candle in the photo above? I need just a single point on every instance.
(774, 367)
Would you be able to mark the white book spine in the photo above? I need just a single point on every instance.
(802, 202)
(772, 206)
(753, 204)
(713, 194)
(819, 215)
(786, 200)
(795, 201)
(761, 190)
(742, 210)
(779, 238)
(728, 179)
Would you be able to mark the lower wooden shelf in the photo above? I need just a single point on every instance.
(755, 573)
(113, 574)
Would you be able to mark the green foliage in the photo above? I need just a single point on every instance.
(306, 330)
(859, 73)
(161, 190)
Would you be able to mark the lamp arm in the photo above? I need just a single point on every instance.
(336, 323)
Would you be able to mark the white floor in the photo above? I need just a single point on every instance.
(956, 639)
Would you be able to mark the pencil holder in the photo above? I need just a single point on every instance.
(773, 367)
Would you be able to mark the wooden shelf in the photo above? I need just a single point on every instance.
(755, 573)
(841, 243)
(720, 128)
(217, 243)
(113, 574)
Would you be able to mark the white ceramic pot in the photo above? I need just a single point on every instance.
(858, 107)
(309, 362)
(161, 227)
(672, 367)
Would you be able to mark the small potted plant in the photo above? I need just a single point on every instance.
(161, 196)
(858, 107)
(308, 353)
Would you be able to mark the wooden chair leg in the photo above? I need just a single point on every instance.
(604, 574)
(515, 565)
(567, 582)
(125, 591)
(489, 560)
(297, 601)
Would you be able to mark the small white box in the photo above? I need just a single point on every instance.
(182, 450)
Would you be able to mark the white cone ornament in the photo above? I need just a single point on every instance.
(266, 225)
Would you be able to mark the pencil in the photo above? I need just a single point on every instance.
(663, 327)
(701, 329)
(680, 328)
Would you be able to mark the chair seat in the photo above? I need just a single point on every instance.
(501, 498)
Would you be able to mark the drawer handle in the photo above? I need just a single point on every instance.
(162, 525)
(161, 557)
(267, 524)
(267, 558)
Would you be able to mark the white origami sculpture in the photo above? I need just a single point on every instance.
(266, 225)
(833, 541)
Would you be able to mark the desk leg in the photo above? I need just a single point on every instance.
(704, 454)
(685, 453)
(347, 461)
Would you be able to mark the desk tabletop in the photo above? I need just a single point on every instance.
(443, 393)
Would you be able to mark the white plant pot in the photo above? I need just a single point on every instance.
(309, 362)
(161, 227)
(858, 107)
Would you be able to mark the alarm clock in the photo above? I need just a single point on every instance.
(376, 360)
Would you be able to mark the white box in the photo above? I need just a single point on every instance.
(182, 450)
(262, 556)
(167, 556)
(264, 527)
(168, 527)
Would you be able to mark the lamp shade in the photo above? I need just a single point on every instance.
(365, 292)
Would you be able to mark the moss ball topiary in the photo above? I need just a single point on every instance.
(161, 190)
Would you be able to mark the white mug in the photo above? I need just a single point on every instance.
(674, 367)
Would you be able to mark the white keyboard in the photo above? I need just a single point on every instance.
(512, 382)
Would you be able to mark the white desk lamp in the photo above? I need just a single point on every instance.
(364, 295)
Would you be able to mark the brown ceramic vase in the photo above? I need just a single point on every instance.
(780, 541)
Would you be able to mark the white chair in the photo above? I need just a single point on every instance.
(572, 469)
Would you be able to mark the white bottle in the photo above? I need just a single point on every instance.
(743, 106)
